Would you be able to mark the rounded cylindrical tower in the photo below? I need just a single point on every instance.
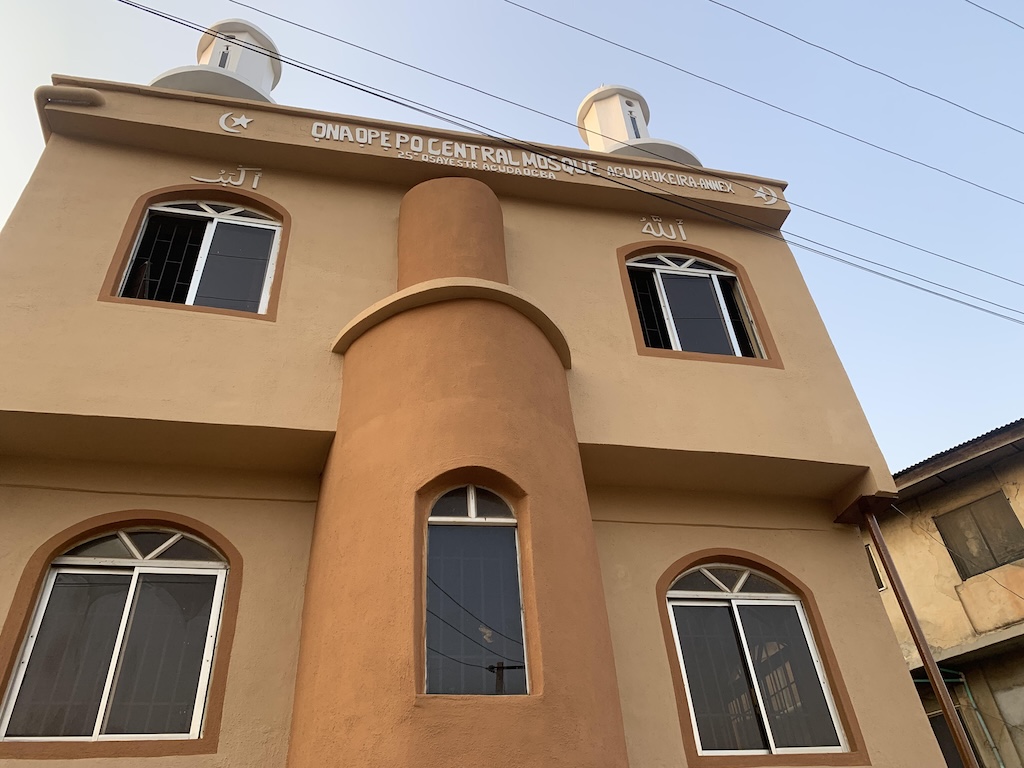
(462, 390)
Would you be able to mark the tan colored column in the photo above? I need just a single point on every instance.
(466, 390)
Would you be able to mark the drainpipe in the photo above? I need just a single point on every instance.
(981, 720)
(956, 728)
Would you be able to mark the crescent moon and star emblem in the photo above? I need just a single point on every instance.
(242, 121)
(767, 194)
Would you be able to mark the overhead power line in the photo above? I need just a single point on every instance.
(695, 206)
(769, 104)
(868, 68)
(645, 150)
(998, 16)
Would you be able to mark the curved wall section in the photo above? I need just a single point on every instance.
(469, 388)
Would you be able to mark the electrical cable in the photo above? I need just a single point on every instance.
(466, 124)
(473, 639)
(486, 624)
(645, 150)
(457, 661)
(879, 72)
(769, 104)
(989, 10)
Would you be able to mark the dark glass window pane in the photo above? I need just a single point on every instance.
(717, 677)
(728, 576)
(1000, 527)
(705, 265)
(166, 258)
(455, 503)
(874, 568)
(147, 541)
(695, 581)
(761, 585)
(187, 549)
(696, 314)
(967, 547)
(474, 620)
(795, 705)
(490, 505)
(236, 267)
(648, 308)
(108, 546)
(60, 694)
(737, 316)
(163, 654)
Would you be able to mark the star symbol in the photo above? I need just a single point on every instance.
(242, 121)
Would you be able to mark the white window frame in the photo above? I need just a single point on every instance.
(686, 268)
(473, 519)
(733, 599)
(134, 568)
(212, 218)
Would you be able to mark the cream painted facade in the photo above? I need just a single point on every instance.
(430, 324)
(974, 625)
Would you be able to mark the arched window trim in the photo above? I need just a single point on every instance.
(23, 612)
(474, 519)
(855, 753)
(686, 264)
(769, 357)
(270, 210)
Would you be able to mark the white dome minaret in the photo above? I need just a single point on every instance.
(232, 62)
(614, 119)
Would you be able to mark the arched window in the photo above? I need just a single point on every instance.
(691, 305)
(474, 616)
(754, 680)
(207, 254)
(122, 641)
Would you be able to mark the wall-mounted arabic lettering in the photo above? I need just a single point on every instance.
(767, 194)
(242, 121)
(231, 179)
(656, 227)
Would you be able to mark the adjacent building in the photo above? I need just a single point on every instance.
(958, 543)
(329, 441)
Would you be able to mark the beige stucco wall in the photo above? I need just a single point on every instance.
(641, 533)
(342, 258)
(267, 518)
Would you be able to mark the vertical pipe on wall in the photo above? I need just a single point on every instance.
(956, 728)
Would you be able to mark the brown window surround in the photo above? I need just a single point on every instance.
(856, 756)
(516, 497)
(648, 247)
(133, 227)
(26, 595)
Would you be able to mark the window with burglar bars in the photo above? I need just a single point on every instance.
(690, 305)
(204, 254)
(122, 641)
(753, 677)
(982, 535)
(474, 621)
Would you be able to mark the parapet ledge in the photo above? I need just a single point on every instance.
(64, 94)
(449, 289)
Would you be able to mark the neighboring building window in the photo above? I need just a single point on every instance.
(982, 535)
(874, 568)
(753, 678)
(122, 641)
(691, 305)
(204, 254)
(474, 609)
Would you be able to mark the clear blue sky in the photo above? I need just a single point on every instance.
(929, 373)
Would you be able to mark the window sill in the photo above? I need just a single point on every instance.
(269, 316)
(788, 760)
(137, 748)
(704, 357)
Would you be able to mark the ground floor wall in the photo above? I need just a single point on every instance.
(644, 536)
(267, 520)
